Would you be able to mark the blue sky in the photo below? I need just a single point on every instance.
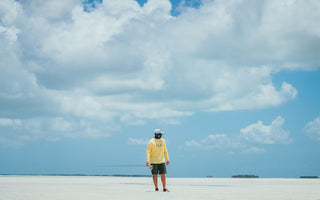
(234, 85)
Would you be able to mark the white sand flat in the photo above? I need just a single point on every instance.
(104, 188)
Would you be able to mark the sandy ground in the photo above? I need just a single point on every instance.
(98, 188)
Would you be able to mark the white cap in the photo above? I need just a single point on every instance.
(157, 131)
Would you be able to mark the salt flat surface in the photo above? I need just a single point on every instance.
(98, 188)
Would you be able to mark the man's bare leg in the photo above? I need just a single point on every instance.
(163, 180)
(155, 180)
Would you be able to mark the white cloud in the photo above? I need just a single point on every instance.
(215, 141)
(127, 64)
(10, 122)
(253, 150)
(262, 134)
(136, 141)
(15, 132)
(9, 11)
(312, 129)
(10, 33)
(254, 134)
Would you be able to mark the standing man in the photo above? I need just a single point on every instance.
(156, 151)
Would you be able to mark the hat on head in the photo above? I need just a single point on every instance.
(157, 131)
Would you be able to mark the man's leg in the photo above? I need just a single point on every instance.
(163, 180)
(155, 180)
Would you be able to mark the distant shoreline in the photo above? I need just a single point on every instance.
(125, 175)
(114, 175)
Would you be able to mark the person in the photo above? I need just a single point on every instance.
(156, 154)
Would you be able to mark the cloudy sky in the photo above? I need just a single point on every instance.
(233, 83)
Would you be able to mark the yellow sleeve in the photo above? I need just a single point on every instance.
(148, 152)
(166, 152)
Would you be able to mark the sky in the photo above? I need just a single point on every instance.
(234, 84)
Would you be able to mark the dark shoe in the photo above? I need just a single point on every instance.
(157, 189)
(166, 190)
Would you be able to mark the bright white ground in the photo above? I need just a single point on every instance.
(110, 188)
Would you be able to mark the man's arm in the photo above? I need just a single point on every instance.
(148, 154)
(166, 154)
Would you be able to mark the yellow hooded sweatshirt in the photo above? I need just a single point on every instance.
(156, 151)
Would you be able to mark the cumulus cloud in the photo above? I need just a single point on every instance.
(254, 134)
(312, 129)
(122, 63)
(263, 134)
